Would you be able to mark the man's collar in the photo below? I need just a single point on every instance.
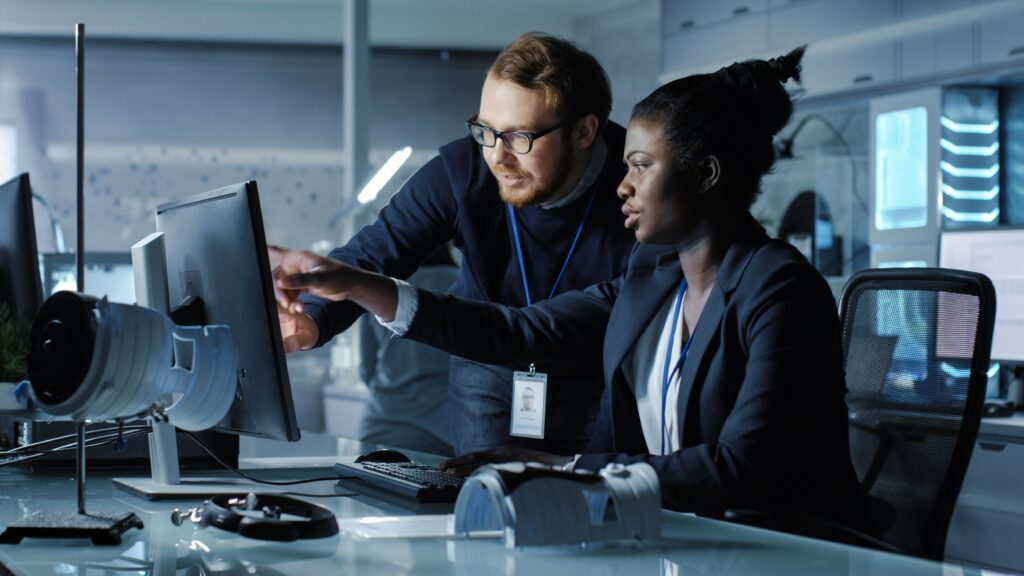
(598, 153)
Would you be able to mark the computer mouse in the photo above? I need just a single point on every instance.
(998, 409)
(383, 455)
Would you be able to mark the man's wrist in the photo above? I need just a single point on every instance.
(406, 305)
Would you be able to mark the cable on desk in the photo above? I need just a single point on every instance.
(113, 434)
(308, 495)
(95, 441)
(31, 447)
(250, 478)
(105, 434)
(90, 443)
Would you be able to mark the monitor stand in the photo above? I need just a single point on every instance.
(166, 482)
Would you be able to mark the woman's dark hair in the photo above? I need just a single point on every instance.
(732, 114)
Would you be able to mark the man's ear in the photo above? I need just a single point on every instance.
(585, 131)
(710, 172)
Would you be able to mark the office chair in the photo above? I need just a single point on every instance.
(916, 344)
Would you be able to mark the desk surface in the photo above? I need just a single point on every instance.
(1012, 427)
(691, 545)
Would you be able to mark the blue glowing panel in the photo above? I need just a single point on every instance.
(970, 157)
(901, 169)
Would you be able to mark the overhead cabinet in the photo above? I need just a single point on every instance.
(733, 39)
(1000, 38)
(851, 43)
(849, 68)
(680, 16)
(807, 21)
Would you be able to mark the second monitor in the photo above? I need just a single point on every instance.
(217, 265)
(217, 252)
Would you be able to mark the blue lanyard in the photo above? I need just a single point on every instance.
(665, 380)
(519, 248)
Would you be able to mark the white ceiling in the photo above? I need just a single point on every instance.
(487, 24)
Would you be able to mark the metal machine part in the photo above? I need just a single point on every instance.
(536, 505)
(92, 360)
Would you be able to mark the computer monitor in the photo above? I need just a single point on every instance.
(20, 287)
(996, 253)
(107, 274)
(216, 250)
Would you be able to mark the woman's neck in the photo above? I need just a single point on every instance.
(700, 259)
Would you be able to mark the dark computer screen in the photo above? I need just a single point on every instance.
(217, 251)
(20, 287)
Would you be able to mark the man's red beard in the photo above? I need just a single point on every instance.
(530, 191)
(524, 194)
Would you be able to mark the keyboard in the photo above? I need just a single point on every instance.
(423, 483)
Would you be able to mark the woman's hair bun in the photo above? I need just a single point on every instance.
(759, 84)
(732, 113)
(788, 65)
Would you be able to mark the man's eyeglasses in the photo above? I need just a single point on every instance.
(516, 141)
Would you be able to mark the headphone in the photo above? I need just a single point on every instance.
(239, 514)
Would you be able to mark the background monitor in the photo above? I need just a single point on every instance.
(106, 274)
(20, 287)
(996, 253)
(217, 251)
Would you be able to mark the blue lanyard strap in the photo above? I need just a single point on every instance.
(519, 248)
(666, 375)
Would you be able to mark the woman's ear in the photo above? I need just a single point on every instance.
(710, 170)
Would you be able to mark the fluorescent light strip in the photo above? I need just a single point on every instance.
(970, 194)
(969, 172)
(969, 150)
(387, 172)
(966, 372)
(957, 216)
(967, 128)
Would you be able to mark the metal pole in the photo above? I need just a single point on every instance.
(80, 465)
(80, 241)
(355, 102)
(80, 153)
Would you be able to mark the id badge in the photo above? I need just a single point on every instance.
(529, 403)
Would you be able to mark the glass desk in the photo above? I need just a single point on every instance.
(691, 545)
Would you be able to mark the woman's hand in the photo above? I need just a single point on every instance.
(297, 272)
(466, 464)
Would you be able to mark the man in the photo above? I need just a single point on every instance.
(527, 398)
(529, 198)
(408, 405)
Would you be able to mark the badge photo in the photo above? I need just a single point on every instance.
(529, 404)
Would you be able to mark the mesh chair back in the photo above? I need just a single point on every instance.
(916, 344)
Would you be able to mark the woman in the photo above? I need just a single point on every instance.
(736, 334)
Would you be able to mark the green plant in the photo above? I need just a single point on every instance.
(13, 347)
